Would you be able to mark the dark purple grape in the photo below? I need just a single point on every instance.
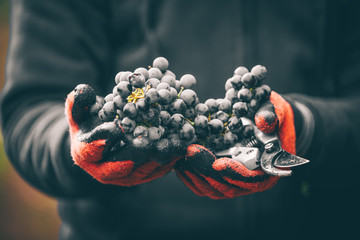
(152, 116)
(169, 73)
(161, 63)
(236, 82)
(212, 105)
(201, 109)
(177, 85)
(228, 84)
(230, 139)
(163, 85)
(173, 93)
(216, 126)
(124, 76)
(241, 71)
(152, 96)
(201, 122)
(124, 88)
(244, 95)
(259, 72)
(224, 105)
(177, 120)
(178, 106)
(232, 95)
(155, 73)
(221, 115)
(189, 113)
(137, 80)
(169, 80)
(117, 77)
(130, 110)
(248, 80)
(109, 97)
(240, 109)
(234, 124)
(142, 104)
(154, 133)
(187, 132)
(187, 81)
(143, 71)
(165, 97)
(128, 125)
(140, 131)
(165, 118)
(119, 102)
(253, 105)
(189, 97)
(152, 82)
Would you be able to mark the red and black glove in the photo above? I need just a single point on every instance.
(96, 146)
(221, 178)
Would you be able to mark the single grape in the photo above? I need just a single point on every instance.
(142, 104)
(161, 63)
(248, 80)
(124, 76)
(155, 73)
(109, 97)
(232, 95)
(119, 102)
(216, 126)
(142, 146)
(230, 139)
(234, 124)
(165, 97)
(244, 95)
(177, 85)
(177, 120)
(163, 85)
(137, 80)
(128, 125)
(152, 116)
(152, 82)
(187, 132)
(236, 82)
(189, 97)
(253, 105)
(259, 72)
(178, 106)
(201, 109)
(212, 105)
(241, 71)
(224, 105)
(169, 73)
(165, 118)
(201, 122)
(240, 109)
(154, 133)
(187, 81)
(221, 115)
(124, 88)
(173, 93)
(152, 96)
(117, 77)
(267, 90)
(189, 113)
(169, 80)
(143, 71)
(130, 110)
(228, 84)
(140, 131)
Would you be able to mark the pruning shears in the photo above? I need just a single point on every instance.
(263, 150)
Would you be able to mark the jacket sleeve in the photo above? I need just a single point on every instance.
(335, 145)
(54, 45)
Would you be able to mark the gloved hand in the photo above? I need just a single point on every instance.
(220, 178)
(95, 146)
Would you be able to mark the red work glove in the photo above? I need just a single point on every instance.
(93, 145)
(221, 178)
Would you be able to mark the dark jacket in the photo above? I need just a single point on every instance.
(309, 47)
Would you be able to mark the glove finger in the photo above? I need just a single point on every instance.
(266, 118)
(285, 114)
(162, 170)
(228, 191)
(200, 159)
(108, 172)
(77, 106)
(237, 174)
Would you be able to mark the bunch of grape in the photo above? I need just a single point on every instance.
(159, 112)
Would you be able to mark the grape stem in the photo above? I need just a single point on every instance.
(181, 90)
(192, 123)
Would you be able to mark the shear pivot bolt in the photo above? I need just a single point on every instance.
(269, 147)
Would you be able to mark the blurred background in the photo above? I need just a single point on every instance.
(25, 213)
